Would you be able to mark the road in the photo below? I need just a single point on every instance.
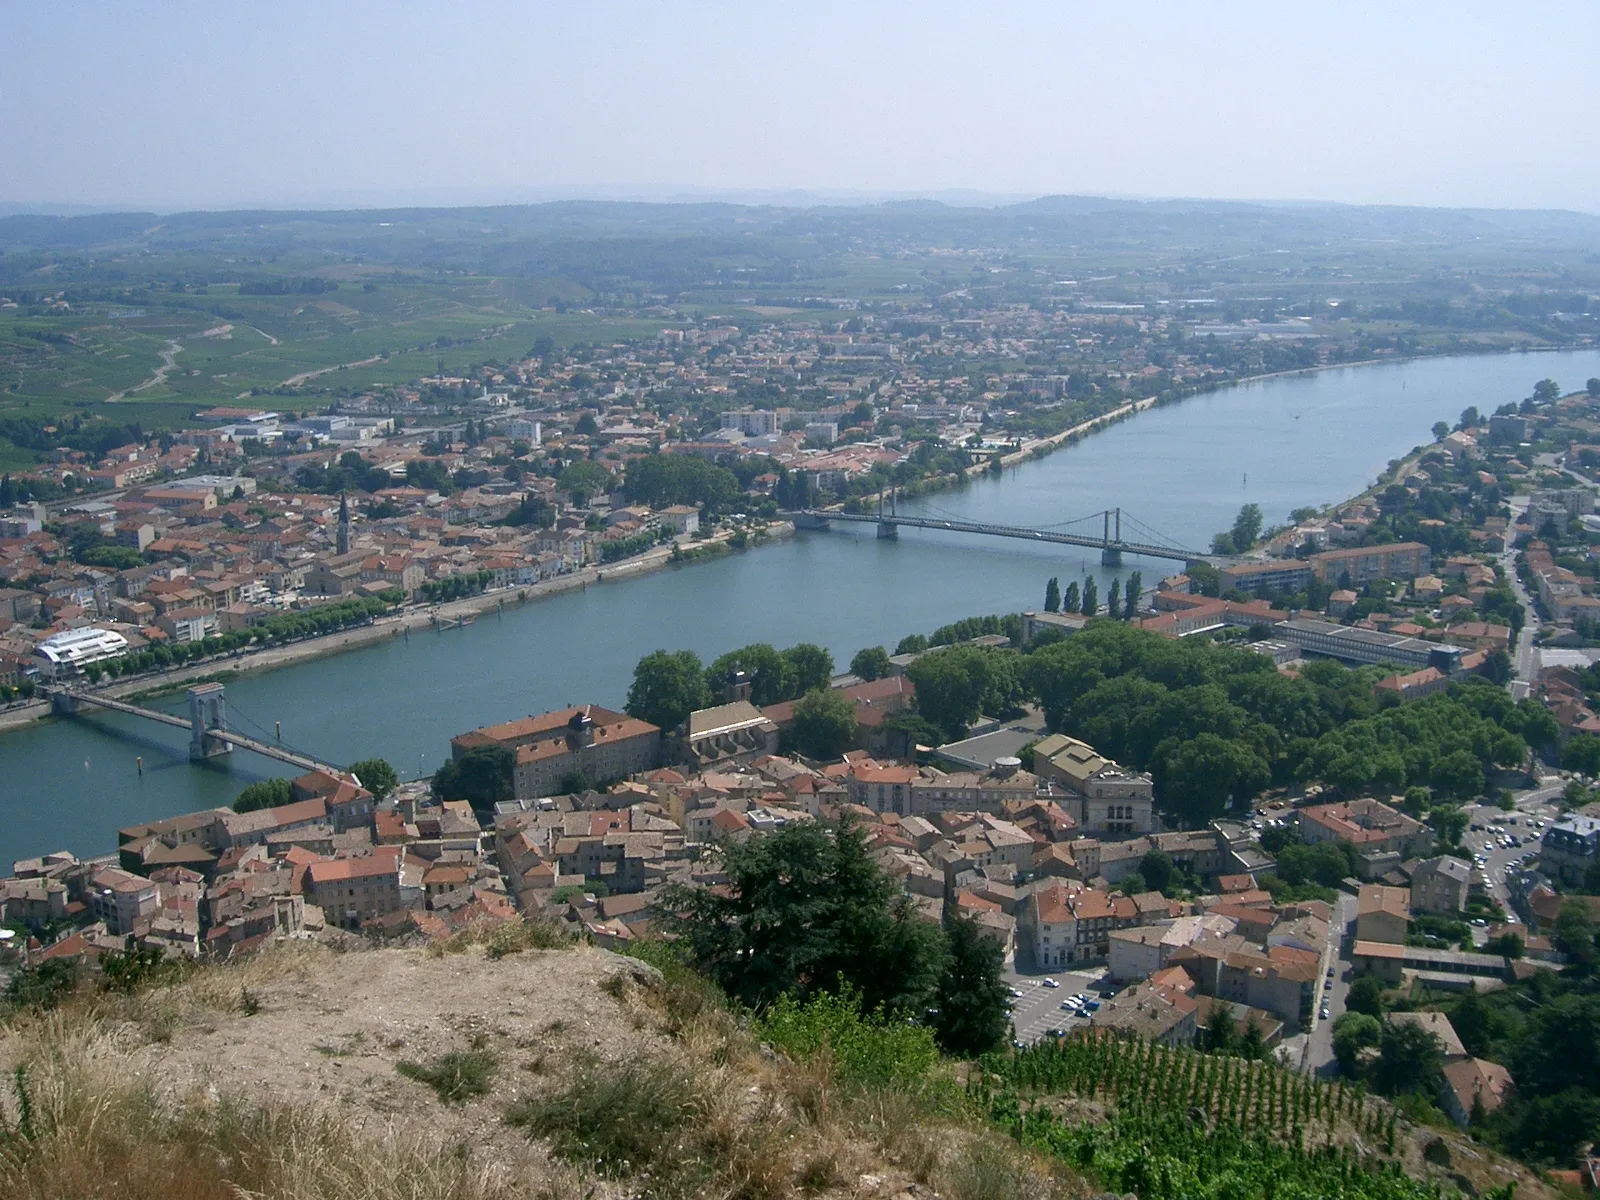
(1524, 656)
(1312, 1050)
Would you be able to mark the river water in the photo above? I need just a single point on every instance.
(1182, 471)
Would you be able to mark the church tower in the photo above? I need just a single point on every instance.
(344, 524)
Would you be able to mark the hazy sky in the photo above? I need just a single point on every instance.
(174, 104)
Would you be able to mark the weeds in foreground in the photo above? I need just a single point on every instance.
(91, 1131)
(635, 1119)
(500, 938)
(454, 1077)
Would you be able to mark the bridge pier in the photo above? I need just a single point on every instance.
(888, 531)
(63, 703)
(208, 714)
(1110, 556)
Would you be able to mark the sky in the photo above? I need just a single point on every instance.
(183, 105)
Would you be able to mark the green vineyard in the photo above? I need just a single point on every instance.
(1183, 1125)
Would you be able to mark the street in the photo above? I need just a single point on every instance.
(1524, 656)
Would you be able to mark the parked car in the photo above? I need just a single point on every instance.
(1050, 983)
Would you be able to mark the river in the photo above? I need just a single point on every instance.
(1183, 471)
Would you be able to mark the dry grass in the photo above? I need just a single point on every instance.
(93, 1132)
(630, 1088)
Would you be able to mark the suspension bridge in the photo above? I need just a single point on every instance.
(1107, 538)
(207, 724)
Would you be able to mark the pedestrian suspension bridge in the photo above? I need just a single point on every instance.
(207, 723)
(1100, 531)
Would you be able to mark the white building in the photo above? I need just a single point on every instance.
(68, 653)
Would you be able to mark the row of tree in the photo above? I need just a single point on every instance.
(1121, 602)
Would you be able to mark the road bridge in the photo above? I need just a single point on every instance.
(207, 724)
(1108, 539)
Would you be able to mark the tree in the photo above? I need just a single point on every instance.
(870, 663)
(1497, 667)
(1507, 944)
(1593, 387)
(1197, 778)
(805, 910)
(1114, 600)
(1440, 431)
(1469, 417)
(1156, 867)
(1546, 391)
(912, 643)
(1130, 598)
(1052, 595)
(1449, 822)
(377, 776)
(1582, 754)
(1353, 1032)
(269, 793)
(482, 777)
(586, 425)
(812, 667)
(772, 676)
(1409, 1059)
(1365, 996)
(1574, 931)
(1246, 528)
(824, 724)
(950, 687)
(971, 997)
(1071, 600)
(584, 479)
(667, 687)
(1091, 597)
(1458, 774)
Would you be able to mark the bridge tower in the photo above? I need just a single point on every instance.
(208, 713)
(888, 528)
(1111, 545)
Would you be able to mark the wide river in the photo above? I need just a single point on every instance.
(1183, 471)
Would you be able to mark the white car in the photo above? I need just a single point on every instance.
(1050, 983)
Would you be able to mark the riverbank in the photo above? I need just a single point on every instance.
(420, 617)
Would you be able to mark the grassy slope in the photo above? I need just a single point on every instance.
(280, 1077)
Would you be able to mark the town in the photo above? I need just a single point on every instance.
(1268, 874)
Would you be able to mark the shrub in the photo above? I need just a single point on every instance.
(453, 1077)
(869, 1051)
(632, 1118)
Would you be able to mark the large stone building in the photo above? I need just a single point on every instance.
(1570, 847)
(1360, 565)
(1368, 825)
(1383, 914)
(590, 742)
(1439, 886)
(1103, 797)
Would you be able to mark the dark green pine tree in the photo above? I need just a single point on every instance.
(971, 994)
(1052, 593)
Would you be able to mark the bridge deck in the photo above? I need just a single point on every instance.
(1145, 549)
(266, 749)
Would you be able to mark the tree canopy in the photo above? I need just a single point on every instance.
(804, 910)
(663, 479)
(482, 776)
(667, 687)
(824, 724)
(377, 776)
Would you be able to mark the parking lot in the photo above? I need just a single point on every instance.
(1038, 1008)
